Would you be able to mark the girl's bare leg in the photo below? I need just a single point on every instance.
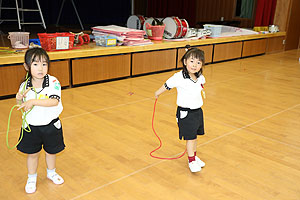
(32, 162)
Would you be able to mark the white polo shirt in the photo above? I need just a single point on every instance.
(41, 115)
(188, 91)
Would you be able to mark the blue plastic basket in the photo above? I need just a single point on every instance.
(105, 40)
(35, 41)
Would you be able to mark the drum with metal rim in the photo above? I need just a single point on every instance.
(135, 22)
(148, 20)
(173, 27)
(185, 27)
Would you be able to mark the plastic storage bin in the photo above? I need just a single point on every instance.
(105, 40)
(56, 41)
(19, 40)
(216, 30)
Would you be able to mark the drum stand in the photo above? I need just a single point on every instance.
(62, 5)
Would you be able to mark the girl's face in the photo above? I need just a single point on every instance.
(193, 65)
(39, 68)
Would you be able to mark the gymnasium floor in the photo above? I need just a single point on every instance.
(251, 147)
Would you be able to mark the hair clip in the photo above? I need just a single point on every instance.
(187, 47)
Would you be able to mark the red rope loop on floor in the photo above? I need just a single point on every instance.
(160, 142)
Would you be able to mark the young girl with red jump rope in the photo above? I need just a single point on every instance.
(189, 84)
(39, 96)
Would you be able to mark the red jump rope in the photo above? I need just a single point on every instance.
(160, 142)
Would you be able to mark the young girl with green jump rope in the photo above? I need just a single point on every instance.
(40, 98)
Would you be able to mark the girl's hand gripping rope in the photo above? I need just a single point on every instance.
(27, 105)
(21, 96)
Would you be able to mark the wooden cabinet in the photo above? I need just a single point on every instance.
(10, 79)
(94, 64)
(208, 49)
(153, 61)
(275, 44)
(12, 75)
(61, 70)
(94, 69)
(254, 47)
(227, 51)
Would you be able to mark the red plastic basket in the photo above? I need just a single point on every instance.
(155, 32)
(56, 41)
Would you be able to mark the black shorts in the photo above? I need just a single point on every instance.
(190, 123)
(50, 137)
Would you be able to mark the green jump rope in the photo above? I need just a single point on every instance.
(24, 114)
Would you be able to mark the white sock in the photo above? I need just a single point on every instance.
(50, 171)
(53, 176)
(32, 175)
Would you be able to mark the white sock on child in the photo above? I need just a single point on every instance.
(53, 176)
(50, 171)
(31, 183)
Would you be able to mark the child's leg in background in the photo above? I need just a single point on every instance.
(32, 162)
(200, 162)
(50, 160)
(51, 173)
(190, 147)
(195, 147)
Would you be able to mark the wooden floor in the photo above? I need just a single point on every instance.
(251, 147)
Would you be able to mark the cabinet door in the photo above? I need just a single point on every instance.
(10, 79)
(275, 44)
(153, 61)
(61, 70)
(94, 69)
(12, 75)
(254, 47)
(227, 51)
